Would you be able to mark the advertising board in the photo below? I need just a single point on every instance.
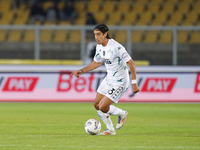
(61, 86)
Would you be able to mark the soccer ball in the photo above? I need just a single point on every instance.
(92, 126)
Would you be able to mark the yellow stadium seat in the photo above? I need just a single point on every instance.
(61, 5)
(79, 6)
(183, 7)
(64, 23)
(160, 18)
(191, 18)
(182, 36)
(93, 6)
(7, 17)
(2, 35)
(151, 37)
(22, 17)
(195, 37)
(121, 36)
(46, 5)
(5, 22)
(176, 19)
(137, 36)
(29, 36)
(153, 7)
(165, 37)
(14, 36)
(108, 6)
(129, 18)
(158, 1)
(100, 16)
(75, 36)
(145, 18)
(45, 36)
(168, 7)
(22, 7)
(123, 6)
(172, 1)
(142, 1)
(187, 1)
(60, 36)
(80, 21)
(196, 7)
(138, 7)
(38, 22)
(5, 6)
(112, 33)
(114, 18)
(49, 23)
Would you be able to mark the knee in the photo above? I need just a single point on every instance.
(103, 109)
(96, 105)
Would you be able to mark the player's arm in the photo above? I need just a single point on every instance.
(132, 67)
(88, 68)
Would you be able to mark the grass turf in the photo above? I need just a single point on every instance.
(55, 126)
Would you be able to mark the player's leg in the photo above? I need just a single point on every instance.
(105, 117)
(115, 94)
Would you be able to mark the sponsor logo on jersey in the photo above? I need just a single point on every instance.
(104, 53)
(119, 48)
(107, 61)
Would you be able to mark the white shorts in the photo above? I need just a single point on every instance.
(113, 91)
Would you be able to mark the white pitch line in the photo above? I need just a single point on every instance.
(138, 147)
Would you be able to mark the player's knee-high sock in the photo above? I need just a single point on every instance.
(115, 111)
(105, 117)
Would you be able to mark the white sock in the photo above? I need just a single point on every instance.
(105, 117)
(115, 111)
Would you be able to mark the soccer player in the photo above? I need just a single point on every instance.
(116, 82)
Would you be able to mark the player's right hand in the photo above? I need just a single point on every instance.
(77, 73)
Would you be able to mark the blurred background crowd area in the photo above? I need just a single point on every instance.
(111, 12)
(152, 45)
(92, 12)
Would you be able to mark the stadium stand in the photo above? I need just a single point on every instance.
(137, 36)
(195, 37)
(29, 36)
(121, 36)
(165, 37)
(45, 36)
(127, 12)
(160, 18)
(124, 6)
(183, 36)
(14, 36)
(151, 37)
(75, 36)
(60, 36)
(2, 35)
(129, 18)
(111, 12)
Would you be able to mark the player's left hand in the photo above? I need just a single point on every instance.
(135, 88)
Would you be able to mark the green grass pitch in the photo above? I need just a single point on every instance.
(60, 126)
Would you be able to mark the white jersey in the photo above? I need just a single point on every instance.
(115, 56)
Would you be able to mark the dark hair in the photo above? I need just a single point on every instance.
(103, 28)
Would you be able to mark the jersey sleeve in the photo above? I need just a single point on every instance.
(97, 57)
(124, 54)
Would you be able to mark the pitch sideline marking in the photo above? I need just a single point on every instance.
(147, 147)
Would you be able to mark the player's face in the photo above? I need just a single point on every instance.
(100, 37)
